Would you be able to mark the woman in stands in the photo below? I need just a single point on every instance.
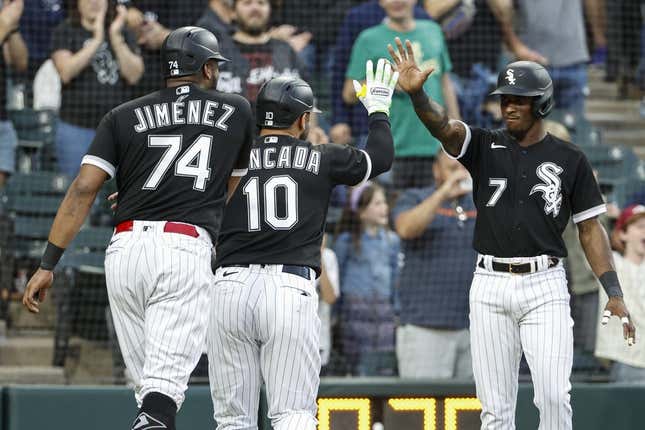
(97, 60)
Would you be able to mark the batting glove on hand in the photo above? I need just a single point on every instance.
(376, 92)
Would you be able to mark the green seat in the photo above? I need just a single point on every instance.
(34, 126)
(91, 239)
(31, 227)
(38, 183)
(86, 262)
(45, 206)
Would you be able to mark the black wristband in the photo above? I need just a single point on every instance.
(609, 281)
(51, 256)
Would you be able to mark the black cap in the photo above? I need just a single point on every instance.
(282, 100)
(528, 79)
(186, 50)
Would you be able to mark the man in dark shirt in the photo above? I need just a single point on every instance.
(256, 56)
(264, 325)
(218, 18)
(436, 226)
(173, 152)
(14, 54)
(526, 186)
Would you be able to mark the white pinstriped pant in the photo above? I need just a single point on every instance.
(159, 287)
(264, 326)
(511, 314)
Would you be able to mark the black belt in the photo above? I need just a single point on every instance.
(302, 271)
(517, 268)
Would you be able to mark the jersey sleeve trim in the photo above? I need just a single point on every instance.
(239, 172)
(106, 166)
(589, 213)
(369, 167)
(464, 146)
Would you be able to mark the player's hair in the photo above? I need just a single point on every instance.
(350, 221)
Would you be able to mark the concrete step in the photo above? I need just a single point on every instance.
(616, 120)
(32, 375)
(633, 138)
(615, 106)
(21, 318)
(26, 351)
(602, 90)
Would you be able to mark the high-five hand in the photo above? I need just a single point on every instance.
(376, 92)
(411, 78)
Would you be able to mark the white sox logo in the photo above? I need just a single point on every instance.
(509, 77)
(551, 187)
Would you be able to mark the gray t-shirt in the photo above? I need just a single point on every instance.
(554, 28)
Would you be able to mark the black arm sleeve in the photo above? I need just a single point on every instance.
(380, 144)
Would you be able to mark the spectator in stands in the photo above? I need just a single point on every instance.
(628, 240)
(583, 284)
(348, 121)
(95, 68)
(37, 23)
(474, 38)
(415, 147)
(309, 27)
(436, 226)
(218, 18)
(625, 22)
(151, 21)
(260, 57)
(368, 255)
(256, 57)
(328, 285)
(14, 55)
(552, 32)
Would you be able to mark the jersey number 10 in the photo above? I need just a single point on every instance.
(275, 184)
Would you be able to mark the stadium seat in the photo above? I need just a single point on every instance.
(91, 240)
(35, 130)
(37, 183)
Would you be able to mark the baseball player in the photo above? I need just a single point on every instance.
(526, 185)
(173, 152)
(264, 324)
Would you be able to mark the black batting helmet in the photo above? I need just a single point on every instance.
(281, 101)
(186, 50)
(529, 79)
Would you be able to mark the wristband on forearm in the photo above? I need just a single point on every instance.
(609, 281)
(51, 256)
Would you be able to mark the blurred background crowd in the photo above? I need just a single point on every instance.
(397, 259)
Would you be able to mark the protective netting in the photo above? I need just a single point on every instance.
(63, 71)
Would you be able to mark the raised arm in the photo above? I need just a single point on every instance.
(450, 132)
(130, 64)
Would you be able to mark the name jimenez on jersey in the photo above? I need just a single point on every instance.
(165, 114)
(303, 158)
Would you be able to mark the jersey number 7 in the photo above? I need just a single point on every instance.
(275, 184)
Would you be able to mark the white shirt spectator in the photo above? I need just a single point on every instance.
(609, 344)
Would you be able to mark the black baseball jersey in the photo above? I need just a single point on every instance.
(525, 195)
(277, 213)
(173, 152)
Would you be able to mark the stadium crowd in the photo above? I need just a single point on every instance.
(397, 260)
